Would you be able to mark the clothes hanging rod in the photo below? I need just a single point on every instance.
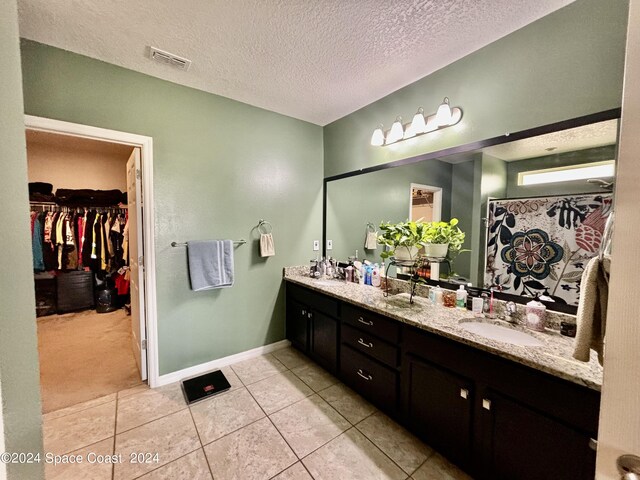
(242, 241)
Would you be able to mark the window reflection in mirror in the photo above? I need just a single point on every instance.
(466, 182)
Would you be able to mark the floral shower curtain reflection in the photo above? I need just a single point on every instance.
(541, 245)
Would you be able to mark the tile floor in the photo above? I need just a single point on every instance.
(284, 418)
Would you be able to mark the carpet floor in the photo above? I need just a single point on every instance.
(84, 355)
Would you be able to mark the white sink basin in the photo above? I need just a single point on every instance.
(500, 333)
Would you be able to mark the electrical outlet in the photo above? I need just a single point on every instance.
(329, 244)
(316, 245)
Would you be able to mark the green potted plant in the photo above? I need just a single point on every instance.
(404, 239)
(440, 237)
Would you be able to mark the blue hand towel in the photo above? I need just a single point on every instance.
(210, 264)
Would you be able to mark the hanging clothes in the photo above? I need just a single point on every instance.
(37, 237)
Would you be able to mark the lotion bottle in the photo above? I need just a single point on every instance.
(461, 298)
(375, 276)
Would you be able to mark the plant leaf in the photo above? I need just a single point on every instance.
(574, 276)
(505, 235)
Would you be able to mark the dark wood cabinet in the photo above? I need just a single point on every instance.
(324, 340)
(312, 327)
(298, 324)
(439, 407)
(521, 443)
(494, 418)
(372, 380)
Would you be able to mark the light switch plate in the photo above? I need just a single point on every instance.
(329, 244)
(316, 245)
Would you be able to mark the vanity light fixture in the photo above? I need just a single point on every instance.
(418, 125)
(444, 117)
(377, 139)
(397, 131)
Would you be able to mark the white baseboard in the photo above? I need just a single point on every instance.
(218, 363)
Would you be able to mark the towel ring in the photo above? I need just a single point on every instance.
(371, 227)
(264, 225)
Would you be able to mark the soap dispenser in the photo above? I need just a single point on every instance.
(536, 315)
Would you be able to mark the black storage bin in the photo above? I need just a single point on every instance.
(107, 300)
(75, 291)
(46, 299)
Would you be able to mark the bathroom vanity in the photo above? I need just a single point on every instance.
(497, 410)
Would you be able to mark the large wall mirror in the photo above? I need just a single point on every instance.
(533, 206)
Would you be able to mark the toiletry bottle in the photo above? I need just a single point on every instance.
(432, 295)
(485, 303)
(439, 296)
(361, 279)
(536, 315)
(375, 276)
(348, 274)
(367, 272)
(461, 298)
(477, 306)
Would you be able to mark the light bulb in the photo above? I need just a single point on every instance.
(377, 139)
(443, 115)
(418, 124)
(396, 133)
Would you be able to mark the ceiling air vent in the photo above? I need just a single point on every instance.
(170, 59)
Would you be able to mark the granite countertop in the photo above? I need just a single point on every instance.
(554, 357)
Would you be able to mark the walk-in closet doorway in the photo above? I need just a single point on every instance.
(117, 321)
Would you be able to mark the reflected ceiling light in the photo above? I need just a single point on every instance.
(421, 124)
(397, 131)
(377, 139)
(417, 125)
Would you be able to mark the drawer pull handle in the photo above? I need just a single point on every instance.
(367, 377)
(366, 322)
(464, 393)
(486, 404)
(304, 312)
(362, 342)
(309, 315)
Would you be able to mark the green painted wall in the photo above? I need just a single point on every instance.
(376, 197)
(20, 397)
(551, 161)
(562, 66)
(465, 206)
(219, 167)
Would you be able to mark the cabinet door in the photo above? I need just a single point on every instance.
(298, 325)
(324, 340)
(439, 407)
(524, 444)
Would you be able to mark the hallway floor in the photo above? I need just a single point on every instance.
(284, 418)
(83, 356)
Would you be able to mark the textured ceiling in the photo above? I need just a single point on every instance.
(312, 60)
(589, 136)
(55, 140)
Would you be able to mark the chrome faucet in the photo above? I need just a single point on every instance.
(510, 312)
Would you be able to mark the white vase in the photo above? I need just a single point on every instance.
(436, 250)
(406, 254)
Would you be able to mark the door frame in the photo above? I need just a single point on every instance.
(437, 214)
(145, 144)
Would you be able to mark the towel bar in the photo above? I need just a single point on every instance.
(242, 241)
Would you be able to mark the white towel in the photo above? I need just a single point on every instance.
(371, 240)
(210, 264)
(592, 310)
(267, 248)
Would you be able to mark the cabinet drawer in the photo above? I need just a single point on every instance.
(370, 345)
(371, 323)
(321, 303)
(370, 379)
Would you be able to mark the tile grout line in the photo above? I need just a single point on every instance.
(206, 459)
(385, 454)
(115, 430)
(78, 411)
